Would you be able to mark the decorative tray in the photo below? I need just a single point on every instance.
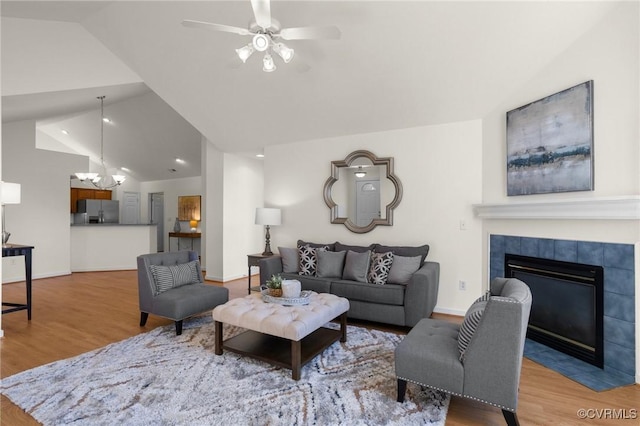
(288, 301)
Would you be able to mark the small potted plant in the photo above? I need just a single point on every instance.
(274, 284)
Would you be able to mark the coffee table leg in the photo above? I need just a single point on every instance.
(218, 331)
(343, 327)
(296, 359)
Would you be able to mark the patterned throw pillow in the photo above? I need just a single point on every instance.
(469, 325)
(484, 297)
(309, 259)
(380, 267)
(168, 277)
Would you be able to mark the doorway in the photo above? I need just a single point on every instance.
(367, 201)
(131, 208)
(156, 216)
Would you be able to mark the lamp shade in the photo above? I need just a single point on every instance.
(9, 193)
(266, 216)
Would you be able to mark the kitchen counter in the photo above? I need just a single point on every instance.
(110, 246)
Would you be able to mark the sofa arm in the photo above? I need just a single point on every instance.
(268, 267)
(421, 294)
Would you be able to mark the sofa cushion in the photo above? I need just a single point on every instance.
(359, 249)
(172, 276)
(469, 325)
(356, 266)
(309, 259)
(319, 285)
(408, 251)
(403, 268)
(379, 268)
(330, 263)
(290, 259)
(331, 247)
(390, 294)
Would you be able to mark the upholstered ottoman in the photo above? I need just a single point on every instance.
(287, 336)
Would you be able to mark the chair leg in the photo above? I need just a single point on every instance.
(178, 328)
(402, 389)
(143, 318)
(511, 417)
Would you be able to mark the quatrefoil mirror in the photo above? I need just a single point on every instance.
(362, 191)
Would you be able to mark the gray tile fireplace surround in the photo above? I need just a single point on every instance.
(619, 304)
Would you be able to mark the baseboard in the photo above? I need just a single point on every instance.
(449, 311)
(16, 279)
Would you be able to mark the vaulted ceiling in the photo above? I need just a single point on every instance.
(398, 64)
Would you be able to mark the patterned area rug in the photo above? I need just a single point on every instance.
(158, 378)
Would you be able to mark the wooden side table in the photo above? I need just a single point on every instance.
(252, 260)
(20, 250)
(179, 235)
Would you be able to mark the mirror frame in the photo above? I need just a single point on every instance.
(335, 174)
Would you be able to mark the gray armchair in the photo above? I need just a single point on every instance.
(489, 371)
(176, 297)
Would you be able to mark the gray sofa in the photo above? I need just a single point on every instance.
(409, 295)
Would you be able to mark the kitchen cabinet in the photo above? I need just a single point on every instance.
(87, 194)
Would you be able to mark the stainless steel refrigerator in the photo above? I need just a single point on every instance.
(97, 211)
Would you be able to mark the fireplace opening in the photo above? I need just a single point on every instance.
(567, 307)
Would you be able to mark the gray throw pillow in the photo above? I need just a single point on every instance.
(469, 325)
(290, 259)
(172, 276)
(408, 251)
(330, 264)
(403, 268)
(379, 268)
(356, 266)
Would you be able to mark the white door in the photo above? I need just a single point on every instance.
(367, 201)
(131, 208)
(156, 216)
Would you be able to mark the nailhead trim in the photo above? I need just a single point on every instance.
(459, 394)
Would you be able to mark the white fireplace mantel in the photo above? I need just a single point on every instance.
(602, 208)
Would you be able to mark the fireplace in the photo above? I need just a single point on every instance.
(567, 309)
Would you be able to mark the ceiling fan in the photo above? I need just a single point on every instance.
(267, 35)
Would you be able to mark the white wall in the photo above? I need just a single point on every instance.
(441, 175)
(213, 185)
(243, 192)
(42, 217)
(43, 62)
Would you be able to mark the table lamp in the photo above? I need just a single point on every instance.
(268, 217)
(194, 225)
(9, 194)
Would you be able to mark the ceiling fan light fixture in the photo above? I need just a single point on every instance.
(286, 53)
(245, 52)
(267, 63)
(260, 42)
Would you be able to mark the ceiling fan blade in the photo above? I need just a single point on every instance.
(215, 27)
(311, 33)
(262, 12)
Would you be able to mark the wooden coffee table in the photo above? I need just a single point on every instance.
(285, 336)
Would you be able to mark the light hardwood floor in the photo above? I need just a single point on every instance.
(84, 311)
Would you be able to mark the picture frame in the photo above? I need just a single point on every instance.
(189, 207)
(550, 143)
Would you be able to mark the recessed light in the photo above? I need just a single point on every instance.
(260, 155)
(172, 170)
(106, 119)
(179, 160)
(124, 169)
(64, 131)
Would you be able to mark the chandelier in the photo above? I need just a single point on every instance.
(101, 180)
(264, 43)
